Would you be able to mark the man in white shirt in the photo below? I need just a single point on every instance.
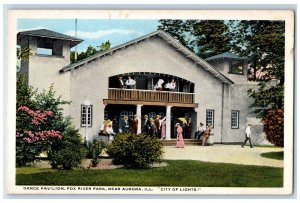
(130, 83)
(248, 134)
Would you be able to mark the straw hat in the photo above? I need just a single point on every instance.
(177, 124)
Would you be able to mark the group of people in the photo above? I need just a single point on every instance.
(202, 134)
(155, 127)
(128, 84)
(159, 86)
(169, 86)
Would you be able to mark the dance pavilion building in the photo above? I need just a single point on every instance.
(210, 91)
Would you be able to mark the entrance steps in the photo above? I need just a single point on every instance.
(186, 141)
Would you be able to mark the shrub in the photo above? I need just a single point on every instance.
(274, 126)
(135, 151)
(67, 152)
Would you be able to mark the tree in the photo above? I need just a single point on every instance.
(90, 51)
(212, 37)
(204, 37)
(263, 42)
(178, 29)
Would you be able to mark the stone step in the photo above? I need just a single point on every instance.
(187, 142)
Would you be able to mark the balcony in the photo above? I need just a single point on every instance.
(151, 96)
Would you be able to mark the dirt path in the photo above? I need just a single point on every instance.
(224, 154)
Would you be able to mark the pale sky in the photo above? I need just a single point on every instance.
(93, 31)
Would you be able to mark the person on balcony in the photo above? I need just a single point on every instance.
(179, 140)
(158, 85)
(167, 86)
(134, 124)
(120, 82)
(146, 125)
(172, 85)
(125, 125)
(130, 83)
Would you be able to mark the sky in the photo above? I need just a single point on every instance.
(93, 31)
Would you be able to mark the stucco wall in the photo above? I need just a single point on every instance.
(44, 71)
(239, 100)
(153, 55)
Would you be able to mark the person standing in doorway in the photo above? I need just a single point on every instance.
(134, 124)
(179, 140)
(206, 135)
(248, 134)
(125, 125)
(157, 125)
(153, 129)
(163, 124)
(115, 125)
(146, 125)
(189, 128)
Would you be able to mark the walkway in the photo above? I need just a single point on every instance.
(224, 154)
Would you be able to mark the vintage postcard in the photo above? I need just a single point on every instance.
(150, 102)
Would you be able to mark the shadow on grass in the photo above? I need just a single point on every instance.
(273, 155)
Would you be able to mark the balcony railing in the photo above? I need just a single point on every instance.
(150, 95)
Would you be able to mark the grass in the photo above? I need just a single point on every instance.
(273, 155)
(181, 173)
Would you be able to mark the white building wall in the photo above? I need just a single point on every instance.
(153, 55)
(44, 71)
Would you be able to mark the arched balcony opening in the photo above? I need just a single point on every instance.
(150, 87)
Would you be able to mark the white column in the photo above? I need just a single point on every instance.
(139, 116)
(168, 123)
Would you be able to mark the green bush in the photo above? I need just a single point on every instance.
(135, 151)
(69, 151)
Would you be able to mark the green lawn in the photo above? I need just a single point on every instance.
(177, 173)
(273, 155)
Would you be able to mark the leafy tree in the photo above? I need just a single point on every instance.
(204, 37)
(263, 42)
(90, 51)
(179, 29)
(212, 37)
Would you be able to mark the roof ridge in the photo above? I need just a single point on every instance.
(170, 40)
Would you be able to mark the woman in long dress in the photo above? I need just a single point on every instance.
(163, 124)
(179, 141)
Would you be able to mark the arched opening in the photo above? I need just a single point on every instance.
(151, 81)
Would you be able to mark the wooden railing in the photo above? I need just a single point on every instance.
(150, 95)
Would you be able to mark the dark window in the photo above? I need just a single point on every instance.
(210, 117)
(86, 115)
(235, 115)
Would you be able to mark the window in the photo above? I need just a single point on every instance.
(235, 119)
(86, 115)
(236, 68)
(210, 117)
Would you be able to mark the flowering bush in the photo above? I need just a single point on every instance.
(274, 126)
(32, 137)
